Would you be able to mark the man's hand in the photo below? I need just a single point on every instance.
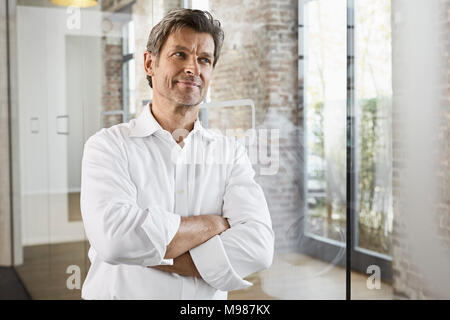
(183, 265)
(193, 231)
(222, 224)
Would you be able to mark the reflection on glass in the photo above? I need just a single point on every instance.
(325, 104)
(132, 87)
(57, 82)
(373, 56)
(112, 119)
(129, 87)
(122, 89)
(128, 38)
(128, 71)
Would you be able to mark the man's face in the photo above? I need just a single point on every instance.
(184, 67)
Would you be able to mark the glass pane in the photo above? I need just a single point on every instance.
(34, 269)
(95, 78)
(325, 107)
(125, 43)
(373, 149)
(129, 78)
(112, 119)
(293, 65)
(56, 117)
(130, 37)
(74, 91)
(278, 154)
(373, 56)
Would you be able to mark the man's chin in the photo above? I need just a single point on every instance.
(189, 102)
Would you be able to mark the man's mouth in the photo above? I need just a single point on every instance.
(188, 84)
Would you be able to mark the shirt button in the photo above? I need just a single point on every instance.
(180, 191)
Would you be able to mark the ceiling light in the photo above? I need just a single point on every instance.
(76, 3)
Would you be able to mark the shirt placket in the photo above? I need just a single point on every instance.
(182, 208)
(181, 201)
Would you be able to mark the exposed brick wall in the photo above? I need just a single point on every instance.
(259, 61)
(112, 85)
(408, 278)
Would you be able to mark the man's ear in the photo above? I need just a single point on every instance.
(149, 63)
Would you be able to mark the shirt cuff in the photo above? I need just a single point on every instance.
(214, 266)
(160, 227)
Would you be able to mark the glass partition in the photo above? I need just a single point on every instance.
(310, 86)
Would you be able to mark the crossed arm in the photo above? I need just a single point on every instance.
(193, 231)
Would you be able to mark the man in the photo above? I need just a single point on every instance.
(160, 227)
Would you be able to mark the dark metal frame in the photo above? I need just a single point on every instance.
(10, 147)
(350, 148)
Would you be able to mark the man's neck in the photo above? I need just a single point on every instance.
(174, 117)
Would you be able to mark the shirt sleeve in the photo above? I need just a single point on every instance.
(248, 245)
(117, 228)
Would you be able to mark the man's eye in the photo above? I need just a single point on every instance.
(180, 54)
(206, 60)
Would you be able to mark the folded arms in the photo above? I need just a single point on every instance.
(221, 250)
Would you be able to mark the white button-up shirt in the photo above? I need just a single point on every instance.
(136, 184)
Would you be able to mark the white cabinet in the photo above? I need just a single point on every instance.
(60, 87)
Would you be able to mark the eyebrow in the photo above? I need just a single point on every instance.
(178, 47)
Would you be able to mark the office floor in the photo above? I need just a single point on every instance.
(299, 277)
(11, 288)
(73, 201)
(291, 276)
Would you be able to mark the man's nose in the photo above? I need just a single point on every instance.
(192, 67)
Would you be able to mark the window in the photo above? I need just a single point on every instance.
(120, 70)
(373, 94)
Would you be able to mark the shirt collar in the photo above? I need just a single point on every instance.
(146, 125)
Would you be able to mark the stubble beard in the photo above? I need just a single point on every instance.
(185, 103)
(182, 103)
